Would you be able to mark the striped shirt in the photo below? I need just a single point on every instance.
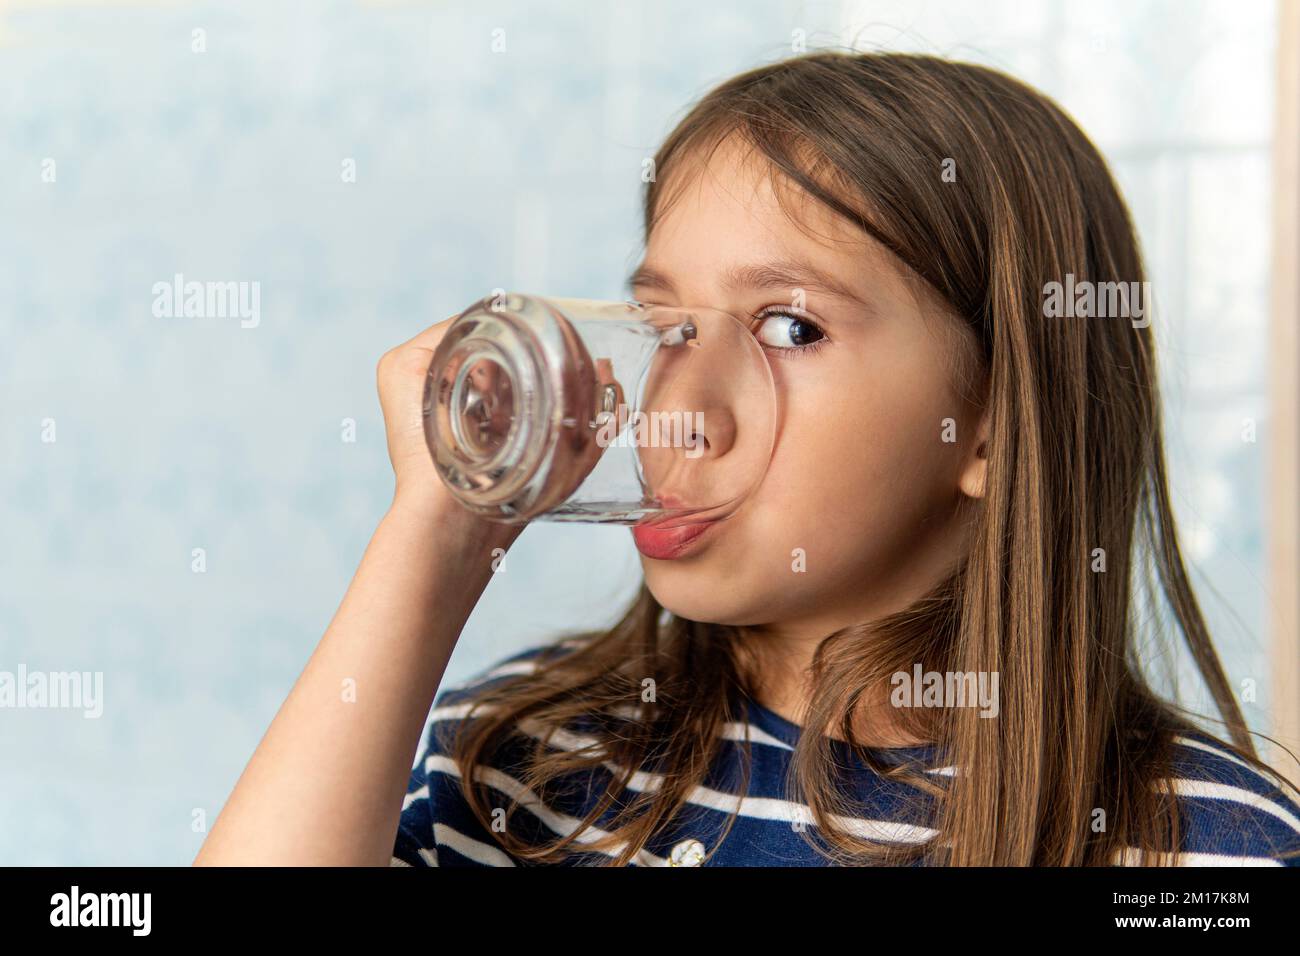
(1231, 814)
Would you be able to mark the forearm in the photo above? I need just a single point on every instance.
(325, 785)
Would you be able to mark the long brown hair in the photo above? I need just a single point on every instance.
(1075, 464)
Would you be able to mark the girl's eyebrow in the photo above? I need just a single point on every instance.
(648, 278)
(784, 274)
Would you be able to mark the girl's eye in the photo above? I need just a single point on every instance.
(783, 330)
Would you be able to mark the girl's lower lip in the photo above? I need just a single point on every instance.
(665, 544)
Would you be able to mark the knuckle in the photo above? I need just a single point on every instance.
(403, 362)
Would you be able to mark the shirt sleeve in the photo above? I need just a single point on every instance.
(1232, 814)
(415, 844)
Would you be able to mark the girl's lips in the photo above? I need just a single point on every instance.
(667, 543)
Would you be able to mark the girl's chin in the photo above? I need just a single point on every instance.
(701, 597)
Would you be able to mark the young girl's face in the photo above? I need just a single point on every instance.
(856, 515)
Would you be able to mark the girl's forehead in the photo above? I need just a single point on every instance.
(719, 226)
(735, 185)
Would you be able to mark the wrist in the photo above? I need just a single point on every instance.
(437, 513)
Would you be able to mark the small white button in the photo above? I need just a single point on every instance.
(687, 853)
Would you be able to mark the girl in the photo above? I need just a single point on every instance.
(964, 488)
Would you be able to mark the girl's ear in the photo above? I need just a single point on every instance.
(975, 467)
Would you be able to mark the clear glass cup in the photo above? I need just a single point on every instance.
(584, 410)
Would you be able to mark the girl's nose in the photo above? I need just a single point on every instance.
(693, 428)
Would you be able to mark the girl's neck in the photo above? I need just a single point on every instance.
(783, 687)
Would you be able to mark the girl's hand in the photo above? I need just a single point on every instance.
(419, 491)
(401, 376)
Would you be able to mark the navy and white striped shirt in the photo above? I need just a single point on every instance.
(1232, 815)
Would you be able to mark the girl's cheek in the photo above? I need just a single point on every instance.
(856, 419)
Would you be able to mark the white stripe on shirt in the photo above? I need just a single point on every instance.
(1221, 791)
(1132, 856)
(559, 823)
(469, 848)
